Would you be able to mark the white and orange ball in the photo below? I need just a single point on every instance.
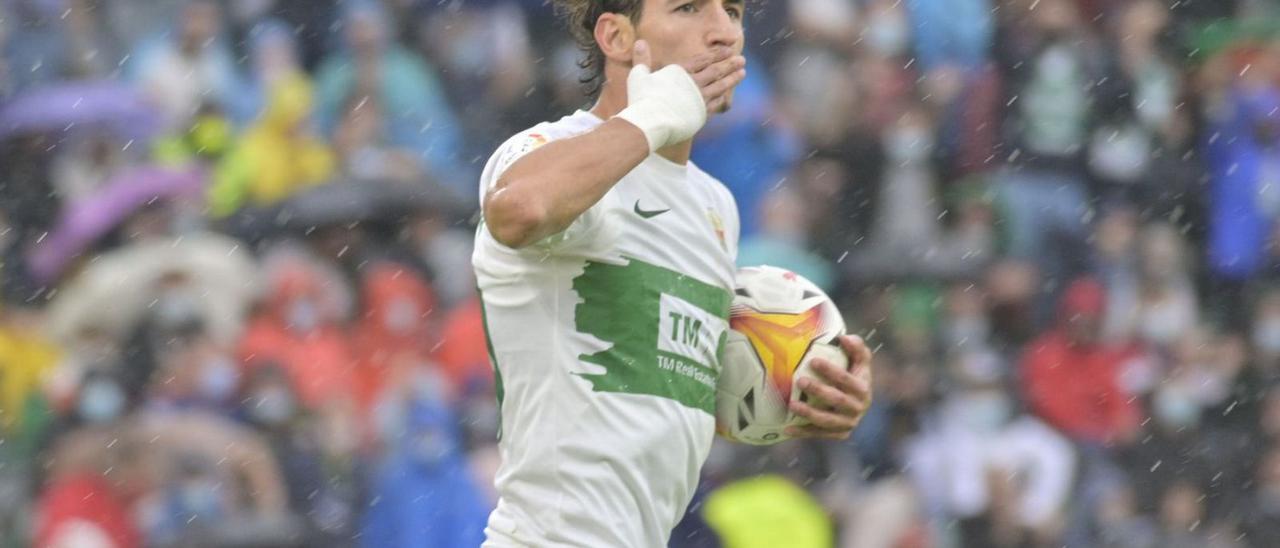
(779, 322)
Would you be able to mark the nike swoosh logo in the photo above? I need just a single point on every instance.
(649, 213)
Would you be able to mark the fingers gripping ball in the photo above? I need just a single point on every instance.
(780, 323)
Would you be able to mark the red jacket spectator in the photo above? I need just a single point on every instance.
(396, 328)
(298, 331)
(1070, 377)
(83, 510)
(464, 355)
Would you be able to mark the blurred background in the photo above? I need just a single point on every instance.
(238, 307)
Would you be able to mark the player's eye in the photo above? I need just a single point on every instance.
(687, 8)
(734, 12)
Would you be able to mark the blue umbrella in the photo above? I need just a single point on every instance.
(75, 105)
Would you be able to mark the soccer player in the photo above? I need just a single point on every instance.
(605, 262)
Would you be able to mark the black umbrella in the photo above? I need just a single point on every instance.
(346, 203)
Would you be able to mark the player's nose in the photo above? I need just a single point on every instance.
(724, 30)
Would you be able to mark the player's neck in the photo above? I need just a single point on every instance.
(613, 99)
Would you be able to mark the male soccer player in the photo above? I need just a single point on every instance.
(605, 261)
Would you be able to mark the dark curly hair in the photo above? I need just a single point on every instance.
(581, 16)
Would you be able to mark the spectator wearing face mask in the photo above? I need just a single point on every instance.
(362, 148)
(102, 399)
(1135, 147)
(213, 482)
(372, 63)
(1070, 379)
(194, 371)
(783, 240)
(1049, 64)
(186, 66)
(299, 328)
(1069, 374)
(978, 431)
(954, 32)
(88, 500)
(426, 460)
(397, 329)
(326, 491)
(272, 57)
(1154, 301)
(907, 236)
(1178, 445)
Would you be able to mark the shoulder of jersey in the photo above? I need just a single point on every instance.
(541, 134)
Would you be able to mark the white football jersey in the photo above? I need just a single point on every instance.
(606, 341)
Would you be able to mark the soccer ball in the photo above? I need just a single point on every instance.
(779, 323)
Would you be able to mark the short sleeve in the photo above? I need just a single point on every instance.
(586, 230)
(513, 149)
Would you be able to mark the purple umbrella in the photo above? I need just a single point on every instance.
(80, 104)
(84, 222)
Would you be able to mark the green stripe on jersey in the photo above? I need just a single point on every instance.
(665, 331)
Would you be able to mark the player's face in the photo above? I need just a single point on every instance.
(679, 30)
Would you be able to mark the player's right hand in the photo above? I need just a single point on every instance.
(667, 105)
(717, 72)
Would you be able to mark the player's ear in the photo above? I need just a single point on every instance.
(616, 35)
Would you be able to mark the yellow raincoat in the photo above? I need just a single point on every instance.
(25, 360)
(767, 512)
(275, 157)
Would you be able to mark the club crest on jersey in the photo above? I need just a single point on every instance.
(718, 225)
(532, 141)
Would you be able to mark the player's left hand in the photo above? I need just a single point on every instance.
(846, 392)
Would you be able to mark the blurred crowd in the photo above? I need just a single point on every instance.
(238, 307)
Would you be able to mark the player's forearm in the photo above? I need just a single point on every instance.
(543, 192)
